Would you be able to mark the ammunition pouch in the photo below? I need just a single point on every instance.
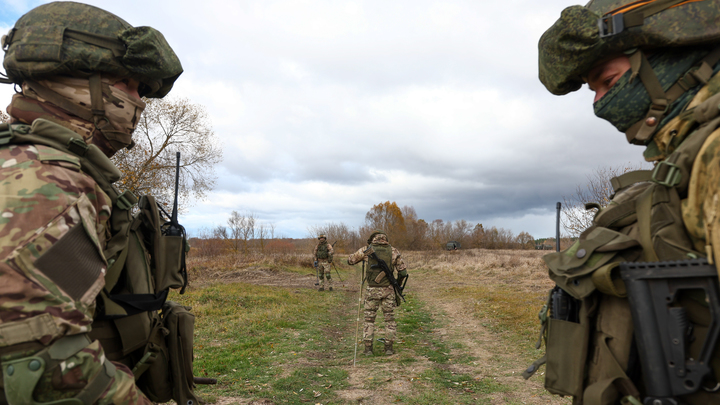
(170, 356)
(584, 274)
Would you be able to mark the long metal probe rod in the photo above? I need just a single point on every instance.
(357, 319)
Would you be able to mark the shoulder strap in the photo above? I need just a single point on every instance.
(630, 178)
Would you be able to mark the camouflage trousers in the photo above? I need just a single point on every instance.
(324, 272)
(375, 298)
(69, 377)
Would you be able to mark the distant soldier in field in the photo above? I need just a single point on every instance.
(80, 73)
(323, 254)
(379, 293)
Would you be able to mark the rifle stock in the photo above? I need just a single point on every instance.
(662, 325)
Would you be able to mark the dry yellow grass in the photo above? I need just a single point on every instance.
(524, 269)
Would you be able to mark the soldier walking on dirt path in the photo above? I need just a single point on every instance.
(323, 255)
(379, 293)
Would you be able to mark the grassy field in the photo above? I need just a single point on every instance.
(465, 333)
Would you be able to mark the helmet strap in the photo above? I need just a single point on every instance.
(642, 131)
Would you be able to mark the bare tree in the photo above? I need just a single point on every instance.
(262, 233)
(575, 218)
(341, 234)
(168, 126)
(247, 231)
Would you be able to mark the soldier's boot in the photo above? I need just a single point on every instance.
(321, 289)
(368, 349)
(389, 347)
(330, 289)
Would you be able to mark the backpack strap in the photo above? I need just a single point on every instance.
(630, 178)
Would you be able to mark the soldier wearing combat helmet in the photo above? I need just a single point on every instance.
(653, 68)
(80, 73)
(323, 254)
(380, 293)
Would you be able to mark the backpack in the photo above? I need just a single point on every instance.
(133, 321)
(375, 276)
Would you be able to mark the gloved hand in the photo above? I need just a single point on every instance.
(369, 251)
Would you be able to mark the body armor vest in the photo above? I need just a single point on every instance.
(322, 252)
(383, 252)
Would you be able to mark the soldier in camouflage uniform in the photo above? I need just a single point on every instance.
(81, 72)
(379, 292)
(653, 69)
(323, 254)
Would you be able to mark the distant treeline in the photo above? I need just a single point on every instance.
(244, 234)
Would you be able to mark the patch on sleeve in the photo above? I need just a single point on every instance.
(73, 263)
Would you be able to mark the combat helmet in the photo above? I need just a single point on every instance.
(68, 38)
(74, 41)
(374, 234)
(322, 235)
(603, 29)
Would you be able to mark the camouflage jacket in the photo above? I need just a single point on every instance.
(52, 234)
(700, 209)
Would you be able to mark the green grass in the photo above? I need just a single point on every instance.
(246, 334)
(296, 346)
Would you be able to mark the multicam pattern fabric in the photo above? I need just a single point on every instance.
(52, 198)
(325, 273)
(573, 45)
(121, 110)
(73, 374)
(49, 211)
(375, 298)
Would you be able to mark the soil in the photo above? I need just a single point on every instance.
(495, 358)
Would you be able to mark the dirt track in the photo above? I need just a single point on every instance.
(495, 358)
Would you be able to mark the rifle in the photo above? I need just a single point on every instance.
(173, 228)
(662, 327)
(389, 274)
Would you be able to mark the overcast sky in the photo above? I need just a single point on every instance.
(325, 108)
